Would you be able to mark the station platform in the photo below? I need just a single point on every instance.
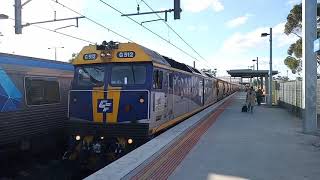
(230, 144)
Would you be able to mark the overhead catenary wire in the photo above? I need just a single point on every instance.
(68, 35)
(93, 21)
(175, 32)
(159, 36)
(64, 34)
(99, 24)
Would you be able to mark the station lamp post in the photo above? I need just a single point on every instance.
(270, 69)
(257, 62)
(55, 51)
(257, 69)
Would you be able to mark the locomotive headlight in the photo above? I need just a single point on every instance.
(105, 55)
(78, 137)
(101, 137)
(130, 141)
(141, 100)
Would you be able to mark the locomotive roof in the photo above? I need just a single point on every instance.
(127, 52)
(116, 53)
(177, 65)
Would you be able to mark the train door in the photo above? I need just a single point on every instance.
(158, 96)
(166, 98)
(200, 91)
(169, 96)
(180, 104)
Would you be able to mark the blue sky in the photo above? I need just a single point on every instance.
(225, 32)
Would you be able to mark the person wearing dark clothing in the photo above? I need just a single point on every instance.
(259, 96)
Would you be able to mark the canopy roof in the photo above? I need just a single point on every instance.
(249, 73)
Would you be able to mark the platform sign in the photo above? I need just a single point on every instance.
(316, 45)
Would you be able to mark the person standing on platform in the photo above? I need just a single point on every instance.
(251, 99)
(259, 96)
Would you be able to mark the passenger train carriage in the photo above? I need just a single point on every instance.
(33, 101)
(126, 92)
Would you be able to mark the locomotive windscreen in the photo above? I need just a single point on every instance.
(128, 74)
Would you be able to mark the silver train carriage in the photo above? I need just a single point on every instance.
(33, 102)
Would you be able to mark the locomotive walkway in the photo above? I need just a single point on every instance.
(227, 144)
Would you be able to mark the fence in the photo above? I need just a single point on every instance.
(289, 95)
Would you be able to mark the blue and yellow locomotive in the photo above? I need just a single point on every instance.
(124, 93)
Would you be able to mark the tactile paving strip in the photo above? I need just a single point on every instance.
(163, 165)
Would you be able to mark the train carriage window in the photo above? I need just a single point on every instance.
(157, 79)
(41, 91)
(171, 80)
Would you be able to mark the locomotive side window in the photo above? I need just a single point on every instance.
(128, 74)
(171, 80)
(91, 76)
(41, 91)
(157, 79)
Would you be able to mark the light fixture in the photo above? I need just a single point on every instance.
(78, 137)
(3, 16)
(141, 100)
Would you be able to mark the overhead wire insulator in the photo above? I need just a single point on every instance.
(138, 8)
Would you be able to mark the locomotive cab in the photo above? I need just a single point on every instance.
(111, 93)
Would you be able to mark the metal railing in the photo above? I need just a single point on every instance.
(290, 94)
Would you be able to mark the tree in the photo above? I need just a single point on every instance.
(73, 56)
(294, 26)
(281, 78)
(293, 64)
(210, 71)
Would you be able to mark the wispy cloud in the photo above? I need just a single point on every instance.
(238, 21)
(243, 42)
(201, 5)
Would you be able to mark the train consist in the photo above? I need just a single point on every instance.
(33, 101)
(123, 93)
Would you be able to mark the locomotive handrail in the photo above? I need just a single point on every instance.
(132, 90)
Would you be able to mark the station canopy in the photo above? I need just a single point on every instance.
(249, 73)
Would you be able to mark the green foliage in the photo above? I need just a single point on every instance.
(73, 56)
(294, 20)
(295, 49)
(292, 63)
(294, 26)
(281, 78)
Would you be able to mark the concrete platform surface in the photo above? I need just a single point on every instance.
(130, 164)
(267, 144)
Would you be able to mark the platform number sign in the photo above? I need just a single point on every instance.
(105, 105)
(90, 57)
(126, 54)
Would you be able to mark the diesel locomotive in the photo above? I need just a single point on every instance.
(123, 94)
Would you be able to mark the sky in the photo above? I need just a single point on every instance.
(225, 33)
